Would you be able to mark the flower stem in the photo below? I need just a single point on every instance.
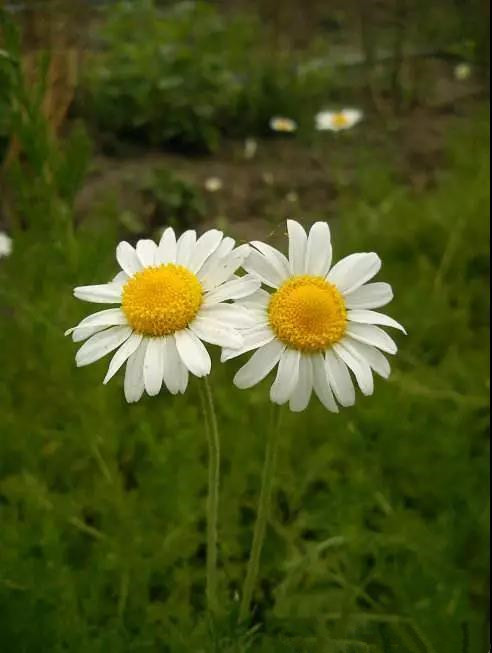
(262, 515)
(213, 491)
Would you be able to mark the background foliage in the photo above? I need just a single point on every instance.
(379, 529)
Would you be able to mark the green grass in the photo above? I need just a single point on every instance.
(378, 537)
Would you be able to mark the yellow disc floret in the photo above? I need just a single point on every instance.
(339, 120)
(308, 313)
(160, 300)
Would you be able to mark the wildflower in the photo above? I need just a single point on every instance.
(171, 297)
(462, 71)
(317, 324)
(338, 120)
(281, 124)
(250, 148)
(213, 184)
(5, 245)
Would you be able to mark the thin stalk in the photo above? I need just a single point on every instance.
(262, 515)
(213, 440)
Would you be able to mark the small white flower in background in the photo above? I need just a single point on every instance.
(317, 323)
(282, 124)
(462, 71)
(5, 245)
(171, 296)
(292, 197)
(213, 184)
(338, 120)
(268, 178)
(250, 148)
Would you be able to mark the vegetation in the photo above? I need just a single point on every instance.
(379, 529)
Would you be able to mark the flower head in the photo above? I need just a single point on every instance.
(213, 184)
(337, 120)
(5, 245)
(462, 71)
(282, 124)
(171, 297)
(316, 323)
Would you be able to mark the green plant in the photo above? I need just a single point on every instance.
(177, 202)
(186, 75)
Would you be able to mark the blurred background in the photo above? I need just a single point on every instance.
(118, 118)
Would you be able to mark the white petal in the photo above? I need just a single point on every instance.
(297, 247)
(299, 399)
(105, 293)
(109, 317)
(185, 247)
(321, 384)
(224, 249)
(318, 250)
(101, 344)
(363, 316)
(146, 252)
(120, 279)
(354, 270)
(134, 379)
(374, 358)
(287, 375)
(172, 371)
(259, 266)
(234, 289)
(205, 246)
(127, 258)
(339, 378)
(83, 333)
(352, 116)
(216, 332)
(372, 335)
(232, 315)
(274, 257)
(221, 269)
(153, 368)
(259, 300)
(193, 353)
(122, 355)
(359, 367)
(183, 378)
(371, 295)
(166, 252)
(253, 338)
(259, 365)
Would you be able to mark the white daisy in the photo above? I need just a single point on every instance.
(5, 245)
(282, 124)
(338, 120)
(171, 297)
(317, 324)
(213, 184)
(462, 71)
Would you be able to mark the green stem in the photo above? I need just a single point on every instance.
(213, 491)
(262, 515)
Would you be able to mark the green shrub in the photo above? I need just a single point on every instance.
(177, 202)
(186, 75)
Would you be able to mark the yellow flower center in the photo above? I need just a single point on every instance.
(308, 313)
(340, 120)
(160, 300)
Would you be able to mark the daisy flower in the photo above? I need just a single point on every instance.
(462, 71)
(337, 120)
(5, 245)
(213, 184)
(282, 124)
(317, 324)
(172, 298)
